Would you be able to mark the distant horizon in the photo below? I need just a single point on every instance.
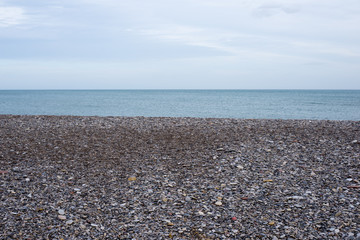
(184, 89)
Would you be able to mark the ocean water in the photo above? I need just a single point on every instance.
(248, 104)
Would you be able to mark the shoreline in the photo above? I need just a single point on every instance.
(182, 178)
(5, 115)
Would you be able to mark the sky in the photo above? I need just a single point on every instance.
(179, 44)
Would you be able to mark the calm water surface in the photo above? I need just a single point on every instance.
(260, 104)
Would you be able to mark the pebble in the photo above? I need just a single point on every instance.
(201, 213)
(69, 222)
(308, 181)
(267, 180)
(296, 197)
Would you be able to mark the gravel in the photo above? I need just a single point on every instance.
(66, 177)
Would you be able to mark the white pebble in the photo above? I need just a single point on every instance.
(69, 222)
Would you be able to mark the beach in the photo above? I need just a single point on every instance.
(68, 177)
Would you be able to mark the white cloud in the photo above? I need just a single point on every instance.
(192, 36)
(249, 45)
(328, 48)
(268, 10)
(10, 16)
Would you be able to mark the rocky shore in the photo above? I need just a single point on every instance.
(65, 177)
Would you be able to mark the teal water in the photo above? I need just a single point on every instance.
(250, 104)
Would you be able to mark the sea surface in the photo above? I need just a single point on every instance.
(248, 104)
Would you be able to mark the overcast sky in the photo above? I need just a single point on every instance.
(179, 44)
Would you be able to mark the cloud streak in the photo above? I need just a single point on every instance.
(10, 16)
(238, 44)
(269, 10)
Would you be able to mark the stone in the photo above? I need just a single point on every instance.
(267, 180)
(173, 160)
(295, 197)
(132, 178)
(69, 222)
(240, 167)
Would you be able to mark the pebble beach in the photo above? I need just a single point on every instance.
(68, 177)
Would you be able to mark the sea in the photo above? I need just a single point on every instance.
(243, 104)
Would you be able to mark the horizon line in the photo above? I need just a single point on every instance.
(182, 89)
